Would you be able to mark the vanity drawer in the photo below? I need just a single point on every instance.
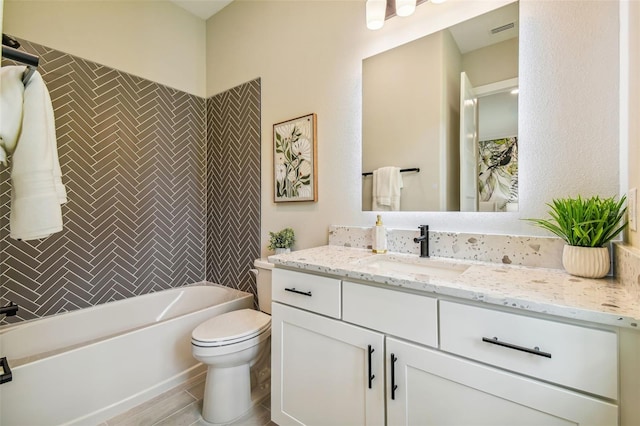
(307, 291)
(574, 356)
(408, 316)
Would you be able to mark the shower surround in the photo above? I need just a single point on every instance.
(136, 158)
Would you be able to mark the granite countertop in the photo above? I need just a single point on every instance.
(548, 291)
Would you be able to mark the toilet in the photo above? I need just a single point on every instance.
(229, 344)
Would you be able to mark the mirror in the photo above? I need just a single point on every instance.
(444, 110)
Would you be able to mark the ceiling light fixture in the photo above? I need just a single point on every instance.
(405, 7)
(376, 11)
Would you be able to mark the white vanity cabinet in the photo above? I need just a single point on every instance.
(428, 366)
(431, 388)
(577, 357)
(324, 371)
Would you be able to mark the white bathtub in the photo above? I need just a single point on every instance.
(86, 366)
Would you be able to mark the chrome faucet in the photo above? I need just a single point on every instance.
(423, 239)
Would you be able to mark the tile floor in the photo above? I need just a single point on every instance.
(182, 406)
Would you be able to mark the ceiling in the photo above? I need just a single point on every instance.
(477, 32)
(203, 9)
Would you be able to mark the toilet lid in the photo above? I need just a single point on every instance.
(235, 325)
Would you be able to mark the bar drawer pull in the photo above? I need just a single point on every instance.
(370, 351)
(534, 351)
(293, 290)
(394, 387)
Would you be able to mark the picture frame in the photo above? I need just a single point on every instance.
(295, 176)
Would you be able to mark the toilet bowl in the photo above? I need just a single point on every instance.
(229, 344)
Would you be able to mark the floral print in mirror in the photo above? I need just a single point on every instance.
(294, 160)
(498, 172)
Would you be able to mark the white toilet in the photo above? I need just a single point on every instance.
(229, 344)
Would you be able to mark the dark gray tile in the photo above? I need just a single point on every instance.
(120, 139)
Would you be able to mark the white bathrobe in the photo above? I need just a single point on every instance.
(27, 129)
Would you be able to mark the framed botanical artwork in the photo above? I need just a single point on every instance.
(295, 175)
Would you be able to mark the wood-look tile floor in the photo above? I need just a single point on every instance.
(182, 406)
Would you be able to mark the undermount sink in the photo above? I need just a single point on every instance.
(414, 266)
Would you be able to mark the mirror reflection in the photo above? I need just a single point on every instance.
(440, 120)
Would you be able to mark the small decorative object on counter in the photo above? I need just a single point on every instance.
(379, 237)
(281, 241)
(587, 226)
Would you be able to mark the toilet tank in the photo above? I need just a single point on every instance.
(263, 283)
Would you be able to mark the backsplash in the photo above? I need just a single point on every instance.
(628, 268)
(513, 250)
(137, 158)
(544, 252)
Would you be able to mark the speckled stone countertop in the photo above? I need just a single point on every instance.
(548, 291)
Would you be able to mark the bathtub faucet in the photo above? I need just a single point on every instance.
(9, 310)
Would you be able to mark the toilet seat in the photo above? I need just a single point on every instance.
(231, 328)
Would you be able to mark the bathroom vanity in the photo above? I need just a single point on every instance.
(394, 339)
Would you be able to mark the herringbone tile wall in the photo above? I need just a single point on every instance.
(133, 156)
(233, 185)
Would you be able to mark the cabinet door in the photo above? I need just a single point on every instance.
(321, 371)
(433, 388)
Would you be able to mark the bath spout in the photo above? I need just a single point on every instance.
(5, 371)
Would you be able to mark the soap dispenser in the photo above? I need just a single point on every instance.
(379, 237)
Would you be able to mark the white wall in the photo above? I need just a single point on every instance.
(156, 40)
(309, 54)
(633, 103)
(402, 114)
(492, 63)
(450, 137)
(497, 116)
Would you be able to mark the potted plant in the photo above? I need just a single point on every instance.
(281, 241)
(587, 226)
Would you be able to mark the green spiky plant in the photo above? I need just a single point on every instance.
(281, 239)
(588, 222)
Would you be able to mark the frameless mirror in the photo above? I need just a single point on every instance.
(444, 110)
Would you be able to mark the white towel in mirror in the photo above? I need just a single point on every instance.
(387, 186)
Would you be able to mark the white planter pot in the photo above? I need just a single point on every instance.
(587, 262)
(283, 250)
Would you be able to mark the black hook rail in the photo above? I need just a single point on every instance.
(10, 51)
(413, 169)
(20, 56)
(10, 309)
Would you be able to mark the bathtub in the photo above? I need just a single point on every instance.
(86, 366)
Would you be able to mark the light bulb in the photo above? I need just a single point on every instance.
(376, 12)
(405, 7)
